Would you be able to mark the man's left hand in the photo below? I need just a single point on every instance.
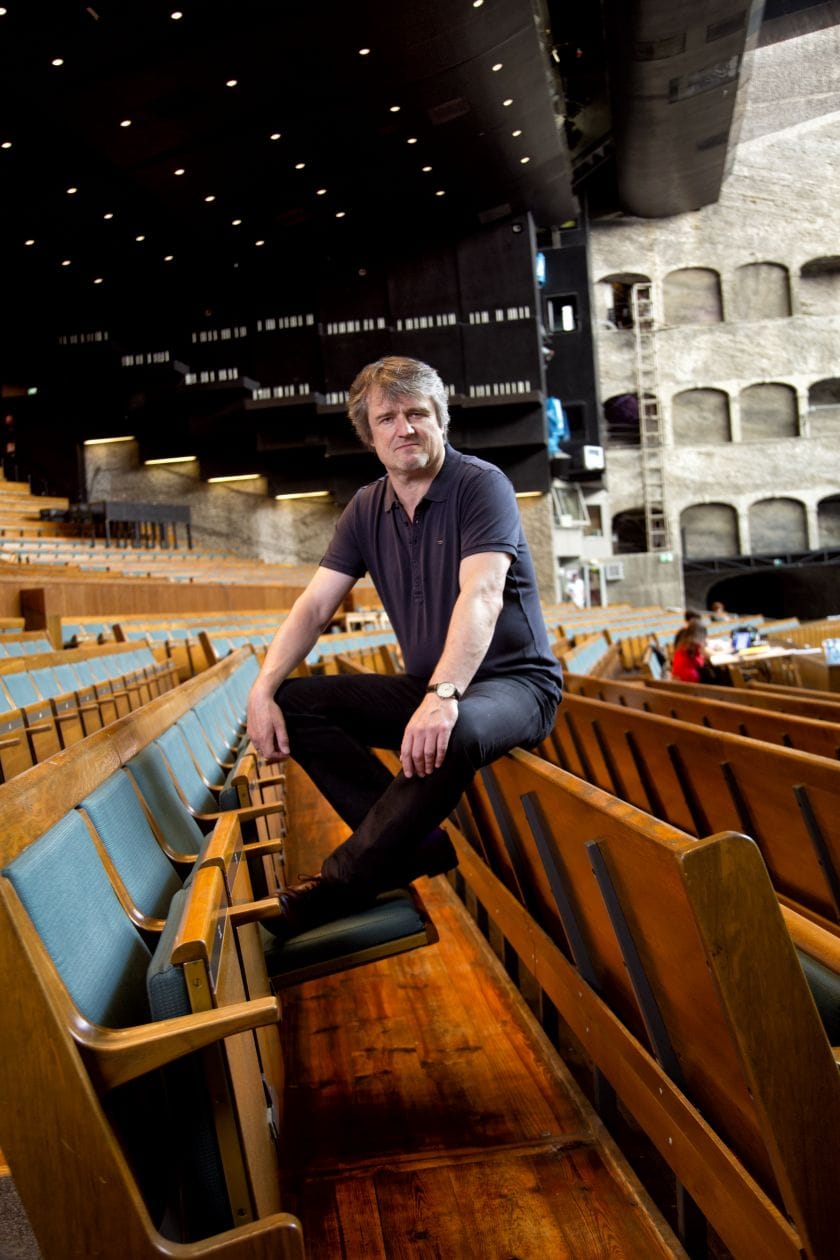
(426, 737)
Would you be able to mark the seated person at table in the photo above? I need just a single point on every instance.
(689, 652)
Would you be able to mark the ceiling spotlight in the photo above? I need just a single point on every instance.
(516, 133)
(57, 61)
(440, 193)
(70, 191)
(65, 262)
(363, 52)
(523, 160)
(7, 144)
(393, 109)
(180, 171)
(259, 242)
(109, 215)
(275, 135)
(425, 169)
(29, 242)
(340, 214)
(3, 12)
(176, 15)
(98, 280)
(509, 101)
(497, 67)
(319, 192)
(299, 166)
(411, 140)
(477, 4)
(211, 197)
(169, 258)
(126, 122)
(235, 222)
(231, 83)
(139, 238)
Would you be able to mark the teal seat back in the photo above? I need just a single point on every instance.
(174, 746)
(207, 757)
(122, 826)
(180, 830)
(47, 682)
(22, 689)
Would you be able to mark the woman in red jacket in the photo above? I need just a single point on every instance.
(689, 652)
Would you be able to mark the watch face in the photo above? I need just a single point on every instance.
(446, 691)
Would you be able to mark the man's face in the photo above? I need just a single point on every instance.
(405, 432)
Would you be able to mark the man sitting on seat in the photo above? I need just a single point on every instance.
(441, 537)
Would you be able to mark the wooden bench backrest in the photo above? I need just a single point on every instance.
(704, 781)
(700, 957)
(780, 699)
(806, 734)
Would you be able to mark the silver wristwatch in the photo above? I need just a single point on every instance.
(446, 691)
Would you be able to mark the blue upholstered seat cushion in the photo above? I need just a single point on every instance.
(394, 915)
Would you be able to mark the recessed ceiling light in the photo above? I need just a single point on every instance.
(299, 166)
(275, 135)
(498, 66)
(109, 215)
(3, 12)
(7, 144)
(393, 109)
(29, 242)
(97, 280)
(71, 191)
(169, 258)
(176, 15)
(363, 52)
(411, 140)
(426, 169)
(523, 160)
(57, 61)
(235, 222)
(139, 238)
(65, 262)
(440, 193)
(319, 192)
(259, 242)
(180, 171)
(509, 101)
(518, 132)
(126, 122)
(231, 82)
(477, 4)
(340, 214)
(210, 197)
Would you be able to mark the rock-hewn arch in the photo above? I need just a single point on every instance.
(699, 417)
(709, 529)
(614, 304)
(819, 286)
(628, 531)
(828, 519)
(778, 525)
(691, 295)
(761, 291)
(768, 412)
(621, 420)
(824, 407)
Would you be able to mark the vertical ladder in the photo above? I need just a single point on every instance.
(650, 420)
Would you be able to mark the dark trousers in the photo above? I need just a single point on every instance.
(334, 721)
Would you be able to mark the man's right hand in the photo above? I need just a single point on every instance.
(266, 727)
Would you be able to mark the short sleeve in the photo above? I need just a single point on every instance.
(343, 553)
(490, 519)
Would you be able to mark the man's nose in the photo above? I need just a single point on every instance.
(405, 425)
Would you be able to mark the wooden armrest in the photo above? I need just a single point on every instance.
(9, 742)
(118, 1055)
(253, 911)
(247, 813)
(262, 848)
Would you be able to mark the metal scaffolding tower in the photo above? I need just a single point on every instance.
(650, 420)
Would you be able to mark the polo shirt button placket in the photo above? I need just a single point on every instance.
(415, 543)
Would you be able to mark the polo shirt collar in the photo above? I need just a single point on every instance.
(438, 490)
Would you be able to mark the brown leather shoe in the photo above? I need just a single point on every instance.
(310, 902)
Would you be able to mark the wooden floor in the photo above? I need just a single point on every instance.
(428, 1116)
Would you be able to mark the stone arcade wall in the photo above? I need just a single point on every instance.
(779, 206)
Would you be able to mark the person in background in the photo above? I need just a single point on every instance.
(441, 536)
(719, 613)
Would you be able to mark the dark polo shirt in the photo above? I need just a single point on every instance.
(469, 508)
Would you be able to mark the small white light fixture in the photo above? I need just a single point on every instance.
(235, 477)
(477, 4)
(393, 109)
(299, 166)
(7, 144)
(108, 215)
(97, 280)
(236, 222)
(169, 258)
(29, 242)
(176, 15)
(426, 169)
(210, 197)
(508, 102)
(516, 133)
(71, 191)
(126, 122)
(103, 441)
(411, 140)
(141, 237)
(304, 494)
(364, 52)
(529, 494)
(65, 262)
(232, 83)
(524, 160)
(498, 66)
(275, 135)
(341, 214)
(259, 242)
(57, 61)
(440, 192)
(180, 171)
(3, 12)
(173, 459)
(320, 192)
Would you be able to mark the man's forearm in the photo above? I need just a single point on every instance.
(471, 628)
(292, 643)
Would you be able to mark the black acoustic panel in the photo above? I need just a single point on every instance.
(527, 468)
(440, 347)
(424, 284)
(340, 437)
(503, 353)
(489, 428)
(344, 357)
(357, 293)
(496, 268)
(287, 357)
